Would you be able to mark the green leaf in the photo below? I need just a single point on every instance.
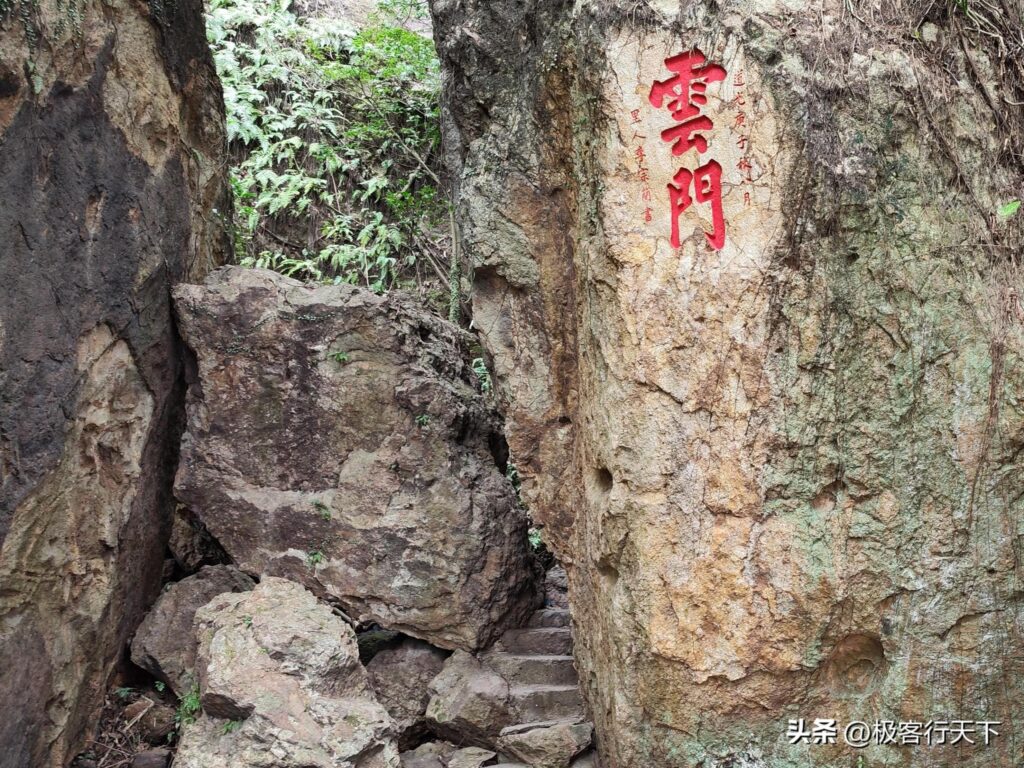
(1008, 210)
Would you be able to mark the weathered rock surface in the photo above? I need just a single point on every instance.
(551, 746)
(152, 758)
(164, 644)
(111, 170)
(286, 670)
(191, 544)
(335, 437)
(521, 697)
(401, 676)
(556, 588)
(470, 702)
(434, 754)
(783, 473)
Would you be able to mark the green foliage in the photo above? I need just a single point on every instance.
(230, 726)
(423, 420)
(482, 374)
(339, 357)
(188, 708)
(314, 558)
(160, 686)
(336, 134)
(323, 509)
(1009, 209)
(536, 539)
(123, 693)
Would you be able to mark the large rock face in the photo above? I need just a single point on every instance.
(335, 437)
(111, 165)
(781, 461)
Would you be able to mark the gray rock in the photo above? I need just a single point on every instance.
(553, 746)
(164, 644)
(401, 676)
(471, 757)
(286, 670)
(336, 437)
(470, 702)
(434, 754)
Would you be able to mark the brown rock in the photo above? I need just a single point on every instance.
(152, 758)
(470, 702)
(782, 469)
(401, 676)
(556, 588)
(164, 644)
(399, 510)
(191, 544)
(157, 723)
(112, 157)
(285, 671)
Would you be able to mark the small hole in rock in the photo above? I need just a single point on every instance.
(605, 481)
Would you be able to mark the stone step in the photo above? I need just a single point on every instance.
(544, 641)
(550, 617)
(534, 703)
(524, 727)
(586, 760)
(534, 669)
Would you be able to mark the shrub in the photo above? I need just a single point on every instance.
(334, 135)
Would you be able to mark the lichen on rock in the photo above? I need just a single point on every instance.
(335, 437)
(781, 472)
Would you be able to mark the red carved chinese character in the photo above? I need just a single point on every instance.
(686, 92)
(745, 167)
(707, 186)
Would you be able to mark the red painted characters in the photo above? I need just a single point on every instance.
(684, 94)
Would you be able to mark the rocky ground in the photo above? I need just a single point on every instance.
(350, 580)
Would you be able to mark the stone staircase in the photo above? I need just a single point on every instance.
(544, 694)
(517, 704)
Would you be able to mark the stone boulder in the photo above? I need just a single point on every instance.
(553, 746)
(281, 686)
(336, 437)
(164, 644)
(470, 703)
(433, 754)
(441, 754)
(401, 676)
(471, 757)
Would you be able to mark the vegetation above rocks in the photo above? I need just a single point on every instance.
(334, 140)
